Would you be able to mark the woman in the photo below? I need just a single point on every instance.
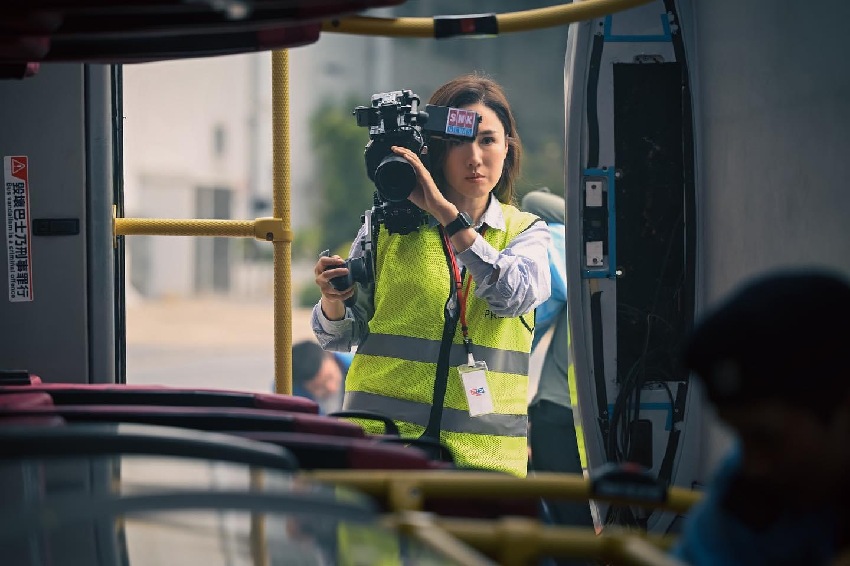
(443, 335)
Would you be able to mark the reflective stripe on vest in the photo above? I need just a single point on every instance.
(421, 350)
(571, 384)
(454, 420)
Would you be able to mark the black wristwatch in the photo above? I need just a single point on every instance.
(462, 221)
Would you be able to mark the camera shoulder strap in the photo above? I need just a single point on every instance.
(372, 233)
(441, 378)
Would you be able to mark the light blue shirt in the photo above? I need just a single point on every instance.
(557, 302)
(553, 385)
(523, 283)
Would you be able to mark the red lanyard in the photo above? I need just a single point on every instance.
(462, 293)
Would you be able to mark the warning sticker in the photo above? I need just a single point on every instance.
(460, 122)
(18, 233)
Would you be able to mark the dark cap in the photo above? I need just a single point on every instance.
(306, 360)
(783, 335)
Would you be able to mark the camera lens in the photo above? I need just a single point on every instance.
(395, 178)
(342, 282)
(359, 271)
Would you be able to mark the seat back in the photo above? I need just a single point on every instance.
(91, 394)
(12, 404)
(218, 419)
(318, 451)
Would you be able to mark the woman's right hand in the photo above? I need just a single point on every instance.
(425, 194)
(333, 300)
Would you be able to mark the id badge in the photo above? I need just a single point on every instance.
(476, 388)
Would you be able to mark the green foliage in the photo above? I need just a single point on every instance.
(543, 166)
(306, 243)
(345, 189)
(308, 295)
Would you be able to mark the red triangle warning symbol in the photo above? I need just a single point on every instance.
(18, 165)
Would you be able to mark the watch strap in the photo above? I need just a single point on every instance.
(462, 221)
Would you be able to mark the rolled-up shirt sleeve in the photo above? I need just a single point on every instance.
(332, 335)
(342, 335)
(523, 280)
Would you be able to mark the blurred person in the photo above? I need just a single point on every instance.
(444, 333)
(319, 375)
(552, 430)
(772, 358)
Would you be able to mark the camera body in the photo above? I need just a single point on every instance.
(361, 269)
(394, 118)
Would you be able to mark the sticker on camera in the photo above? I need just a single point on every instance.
(476, 388)
(460, 122)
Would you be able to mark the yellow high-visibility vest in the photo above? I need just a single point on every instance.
(394, 369)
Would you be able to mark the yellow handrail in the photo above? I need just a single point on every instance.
(257, 533)
(422, 527)
(407, 490)
(518, 541)
(267, 229)
(281, 210)
(524, 20)
(276, 230)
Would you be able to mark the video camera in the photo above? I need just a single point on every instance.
(394, 118)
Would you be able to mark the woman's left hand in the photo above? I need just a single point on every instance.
(426, 195)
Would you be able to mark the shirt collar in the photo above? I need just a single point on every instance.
(492, 216)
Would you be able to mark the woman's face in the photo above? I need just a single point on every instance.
(472, 169)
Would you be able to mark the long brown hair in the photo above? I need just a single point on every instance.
(475, 88)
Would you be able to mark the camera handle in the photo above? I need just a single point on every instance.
(368, 244)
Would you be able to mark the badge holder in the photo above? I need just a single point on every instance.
(474, 377)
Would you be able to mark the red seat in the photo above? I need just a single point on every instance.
(125, 31)
(91, 394)
(337, 453)
(24, 400)
(219, 419)
(11, 404)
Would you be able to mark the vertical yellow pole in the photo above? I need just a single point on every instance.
(259, 548)
(281, 209)
(282, 270)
